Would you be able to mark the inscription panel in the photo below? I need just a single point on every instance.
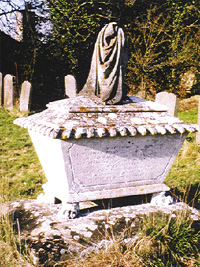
(115, 162)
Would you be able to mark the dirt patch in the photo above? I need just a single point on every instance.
(189, 103)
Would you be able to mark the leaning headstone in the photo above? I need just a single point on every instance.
(169, 100)
(8, 92)
(1, 88)
(198, 133)
(70, 86)
(25, 96)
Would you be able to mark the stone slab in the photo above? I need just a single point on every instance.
(52, 240)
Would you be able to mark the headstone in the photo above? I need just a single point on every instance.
(170, 100)
(25, 96)
(198, 133)
(70, 86)
(8, 92)
(1, 88)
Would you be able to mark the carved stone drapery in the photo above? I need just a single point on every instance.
(109, 60)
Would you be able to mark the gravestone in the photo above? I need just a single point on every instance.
(70, 86)
(198, 133)
(169, 100)
(25, 96)
(8, 92)
(1, 88)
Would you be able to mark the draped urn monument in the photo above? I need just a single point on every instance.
(102, 143)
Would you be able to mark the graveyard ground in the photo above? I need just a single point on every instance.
(22, 177)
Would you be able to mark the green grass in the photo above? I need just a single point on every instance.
(189, 116)
(21, 172)
(184, 176)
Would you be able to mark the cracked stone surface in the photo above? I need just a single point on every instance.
(52, 239)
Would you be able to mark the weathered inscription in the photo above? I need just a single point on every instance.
(120, 161)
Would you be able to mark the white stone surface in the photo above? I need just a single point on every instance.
(81, 170)
(170, 100)
(8, 92)
(25, 96)
(159, 199)
(51, 156)
(70, 86)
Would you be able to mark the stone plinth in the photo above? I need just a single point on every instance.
(93, 151)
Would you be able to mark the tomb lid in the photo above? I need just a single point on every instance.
(84, 104)
(81, 117)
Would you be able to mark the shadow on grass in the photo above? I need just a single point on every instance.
(191, 195)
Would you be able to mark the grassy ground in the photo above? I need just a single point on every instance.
(184, 176)
(21, 172)
(22, 177)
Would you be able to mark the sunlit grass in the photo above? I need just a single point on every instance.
(184, 176)
(21, 172)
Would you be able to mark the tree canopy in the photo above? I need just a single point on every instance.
(163, 39)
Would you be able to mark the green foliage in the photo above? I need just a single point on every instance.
(164, 43)
(189, 116)
(149, 39)
(75, 28)
(163, 38)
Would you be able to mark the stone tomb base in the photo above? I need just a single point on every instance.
(98, 168)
